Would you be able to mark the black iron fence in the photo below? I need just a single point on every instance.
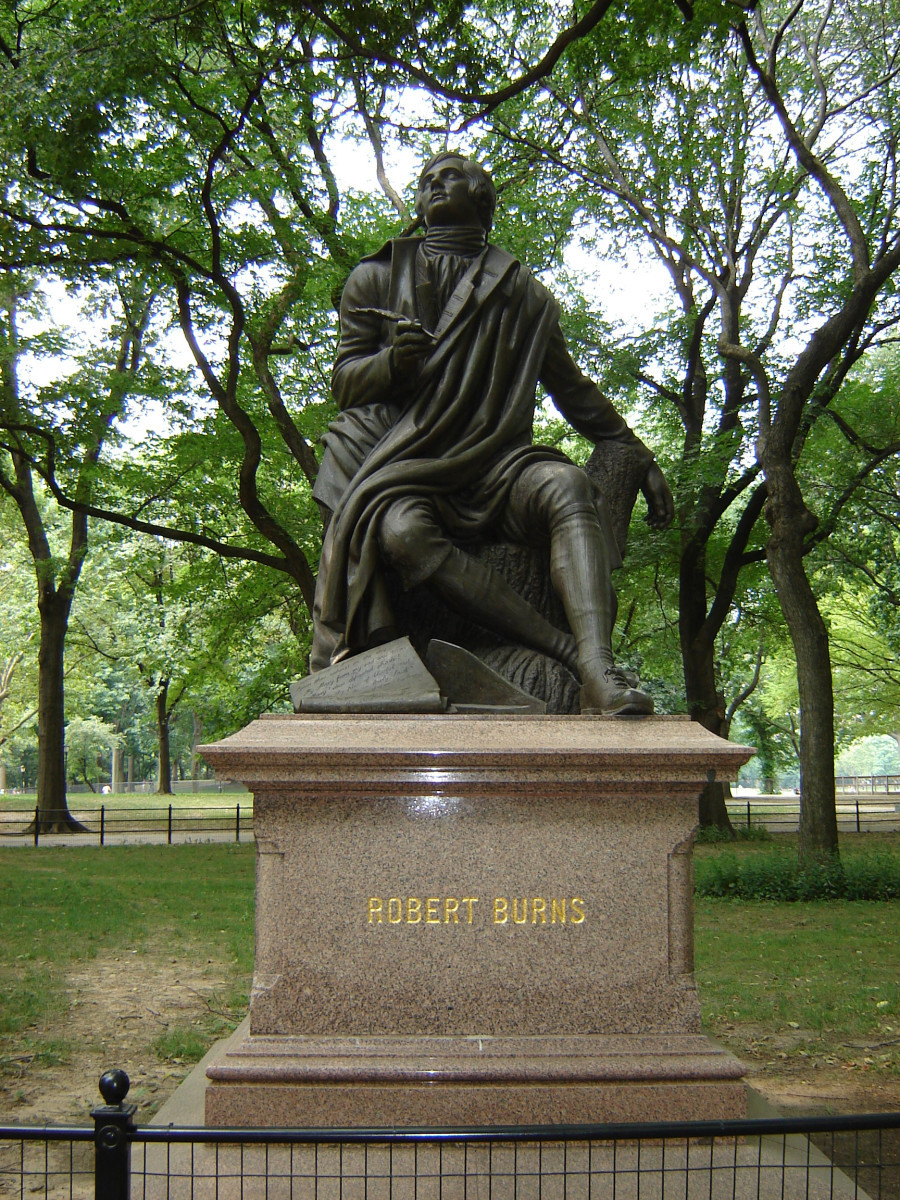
(108, 824)
(781, 814)
(816, 1158)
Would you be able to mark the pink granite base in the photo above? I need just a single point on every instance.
(472, 1081)
(371, 1107)
(470, 920)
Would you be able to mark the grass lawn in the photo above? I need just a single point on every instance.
(787, 986)
(850, 844)
(76, 912)
(802, 985)
(79, 801)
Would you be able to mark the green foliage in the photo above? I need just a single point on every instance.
(776, 876)
(712, 835)
(88, 740)
(774, 739)
(172, 174)
(876, 755)
(680, 154)
(18, 640)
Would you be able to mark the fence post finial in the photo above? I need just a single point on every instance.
(113, 1126)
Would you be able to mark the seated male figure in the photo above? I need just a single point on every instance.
(444, 340)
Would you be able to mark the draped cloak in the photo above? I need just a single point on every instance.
(458, 433)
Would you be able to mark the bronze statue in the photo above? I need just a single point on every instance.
(443, 342)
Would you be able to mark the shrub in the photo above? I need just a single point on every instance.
(777, 875)
(714, 834)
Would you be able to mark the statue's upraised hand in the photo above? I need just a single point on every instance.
(658, 494)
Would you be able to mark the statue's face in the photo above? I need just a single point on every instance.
(444, 195)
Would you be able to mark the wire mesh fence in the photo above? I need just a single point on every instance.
(772, 1159)
(48, 1162)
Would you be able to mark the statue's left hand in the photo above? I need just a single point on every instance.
(658, 494)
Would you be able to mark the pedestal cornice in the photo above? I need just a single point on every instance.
(456, 751)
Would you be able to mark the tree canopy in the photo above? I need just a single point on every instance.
(179, 175)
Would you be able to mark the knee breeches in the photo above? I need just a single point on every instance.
(413, 541)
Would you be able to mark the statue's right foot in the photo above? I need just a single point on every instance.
(610, 693)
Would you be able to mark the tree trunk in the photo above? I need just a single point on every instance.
(790, 521)
(164, 773)
(197, 726)
(705, 702)
(51, 782)
(115, 770)
(56, 589)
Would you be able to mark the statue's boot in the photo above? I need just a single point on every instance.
(478, 592)
(580, 572)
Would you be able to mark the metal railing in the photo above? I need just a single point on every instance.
(817, 1158)
(108, 824)
(868, 784)
(781, 814)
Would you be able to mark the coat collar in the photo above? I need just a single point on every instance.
(490, 269)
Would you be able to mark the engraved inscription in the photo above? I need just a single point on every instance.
(379, 680)
(527, 911)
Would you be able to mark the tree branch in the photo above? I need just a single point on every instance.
(813, 165)
(226, 549)
(746, 692)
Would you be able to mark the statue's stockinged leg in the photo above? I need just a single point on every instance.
(581, 574)
(475, 590)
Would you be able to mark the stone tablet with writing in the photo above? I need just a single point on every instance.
(387, 679)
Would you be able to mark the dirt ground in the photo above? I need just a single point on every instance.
(119, 1006)
(799, 1083)
(799, 1092)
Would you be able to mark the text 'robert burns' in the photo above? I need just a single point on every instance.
(465, 910)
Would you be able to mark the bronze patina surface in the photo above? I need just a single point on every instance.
(444, 340)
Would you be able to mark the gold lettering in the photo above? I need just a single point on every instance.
(447, 910)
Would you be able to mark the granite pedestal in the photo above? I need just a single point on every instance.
(471, 920)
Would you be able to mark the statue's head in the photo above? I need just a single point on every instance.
(454, 190)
